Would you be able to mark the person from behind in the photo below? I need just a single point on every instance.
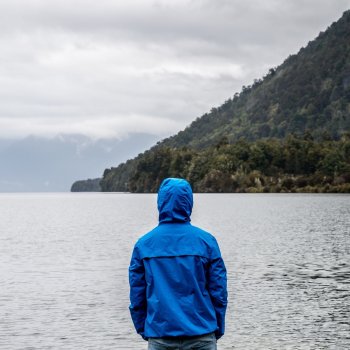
(178, 285)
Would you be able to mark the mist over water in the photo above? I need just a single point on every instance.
(64, 260)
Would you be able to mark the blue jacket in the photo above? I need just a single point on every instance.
(177, 276)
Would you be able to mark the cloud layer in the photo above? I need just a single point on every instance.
(110, 68)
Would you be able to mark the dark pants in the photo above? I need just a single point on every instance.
(201, 342)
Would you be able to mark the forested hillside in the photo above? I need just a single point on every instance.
(310, 91)
(290, 165)
(89, 185)
(286, 132)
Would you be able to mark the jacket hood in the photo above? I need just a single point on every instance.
(175, 201)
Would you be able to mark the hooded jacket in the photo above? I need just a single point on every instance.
(177, 276)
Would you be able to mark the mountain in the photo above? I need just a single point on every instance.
(287, 131)
(36, 164)
(310, 91)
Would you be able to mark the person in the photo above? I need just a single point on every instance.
(178, 284)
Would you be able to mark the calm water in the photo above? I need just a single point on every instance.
(64, 260)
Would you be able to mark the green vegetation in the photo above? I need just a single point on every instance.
(309, 91)
(291, 165)
(90, 185)
(287, 132)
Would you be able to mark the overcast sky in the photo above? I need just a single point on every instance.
(108, 68)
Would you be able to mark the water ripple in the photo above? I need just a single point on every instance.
(64, 260)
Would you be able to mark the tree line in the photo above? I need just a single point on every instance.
(295, 164)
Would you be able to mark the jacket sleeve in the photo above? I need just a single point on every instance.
(138, 303)
(217, 286)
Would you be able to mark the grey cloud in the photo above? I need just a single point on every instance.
(94, 64)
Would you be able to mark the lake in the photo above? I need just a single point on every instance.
(64, 260)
